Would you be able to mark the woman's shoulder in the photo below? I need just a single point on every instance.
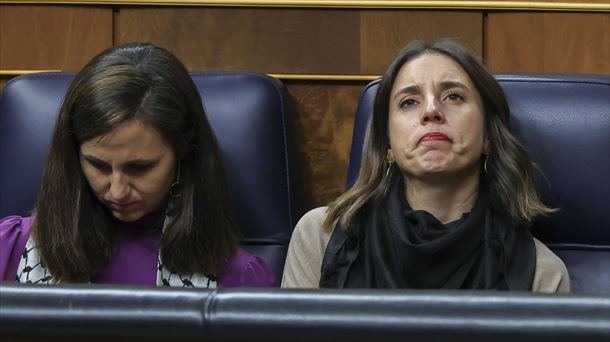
(247, 270)
(15, 221)
(316, 214)
(306, 250)
(310, 236)
(13, 228)
(311, 227)
(14, 234)
(551, 274)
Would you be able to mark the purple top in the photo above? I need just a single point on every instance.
(134, 260)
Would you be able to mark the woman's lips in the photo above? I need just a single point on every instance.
(434, 136)
(121, 207)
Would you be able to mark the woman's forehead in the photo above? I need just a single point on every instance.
(430, 69)
(133, 134)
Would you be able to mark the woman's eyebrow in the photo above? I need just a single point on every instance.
(142, 161)
(130, 162)
(93, 159)
(452, 84)
(407, 90)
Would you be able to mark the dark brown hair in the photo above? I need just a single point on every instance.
(73, 230)
(509, 183)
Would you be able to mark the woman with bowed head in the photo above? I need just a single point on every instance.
(133, 190)
(445, 194)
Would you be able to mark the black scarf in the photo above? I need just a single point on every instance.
(389, 245)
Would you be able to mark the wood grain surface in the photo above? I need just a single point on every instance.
(384, 33)
(549, 42)
(262, 40)
(324, 120)
(52, 37)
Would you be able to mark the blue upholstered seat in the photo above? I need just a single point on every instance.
(247, 113)
(564, 122)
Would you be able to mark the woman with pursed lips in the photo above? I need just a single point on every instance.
(133, 190)
(445, 195)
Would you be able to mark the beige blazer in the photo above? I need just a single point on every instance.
(309, 240)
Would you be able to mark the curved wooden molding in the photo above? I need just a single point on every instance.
(590, 6)
(13, 73)
(296, 77)
(325, 77)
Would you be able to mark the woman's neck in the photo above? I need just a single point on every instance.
(445, 199)
(149, 222)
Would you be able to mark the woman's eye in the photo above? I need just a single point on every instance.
(454, 97)
(102, 167)
(138, 168)
(407, 103)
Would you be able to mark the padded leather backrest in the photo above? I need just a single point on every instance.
(247, 113)
(564, 122)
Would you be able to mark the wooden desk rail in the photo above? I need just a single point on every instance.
(580, 6)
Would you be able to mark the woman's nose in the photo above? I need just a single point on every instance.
(432, 112)
(119, 187)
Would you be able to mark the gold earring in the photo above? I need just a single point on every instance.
(173, 189)
(390, 160)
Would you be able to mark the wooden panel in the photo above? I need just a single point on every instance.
(384, 33)
(324, 120)
(263, 40)
(52, 37)
(310, 41)
(549, 42)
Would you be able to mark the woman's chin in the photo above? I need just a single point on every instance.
(127, 217)
(431, 169)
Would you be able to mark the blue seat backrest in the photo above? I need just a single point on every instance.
(564, 122)
(247, 113)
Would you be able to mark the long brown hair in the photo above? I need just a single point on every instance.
(509, 183)
(73, 230)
